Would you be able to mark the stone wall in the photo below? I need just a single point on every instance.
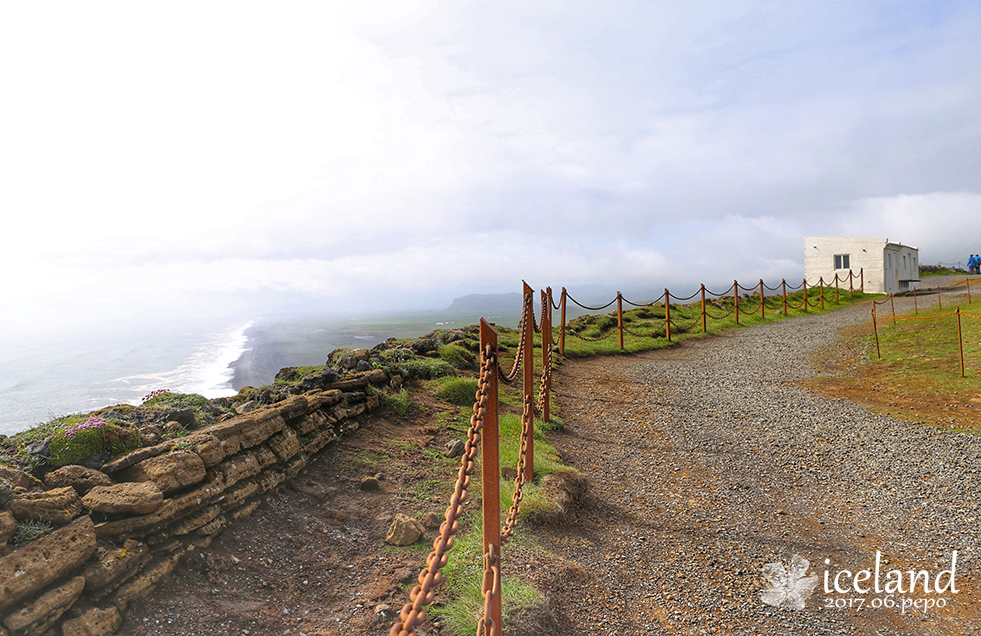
(123, 529)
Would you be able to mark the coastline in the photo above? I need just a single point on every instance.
(296, 342)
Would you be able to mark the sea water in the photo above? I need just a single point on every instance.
(45, 378)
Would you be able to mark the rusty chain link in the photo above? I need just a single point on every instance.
(413, 613)
(510, 376)
(543, 382)
(519, 482)
(541, 321)
(492, 565)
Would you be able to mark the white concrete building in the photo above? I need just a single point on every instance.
(889, 268)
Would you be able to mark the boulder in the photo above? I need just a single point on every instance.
(48, 608)
(144, 582)
(284, 444)
(59, 505)
(115, 566)
(80, 478)
(319, 399)
(378, 376)
(171, 471)
(238, 467)
(45, 560)
(320, 380)
(94, 622)
(8, 526)
(431, 520)
(194, 521)
(293, 407)
(208, 447)
(239, 493)
(134, 498)
(369, 483)
(404, 530)
(135, 525)
(246, 431)
(454, 448)
(17, 478)
(363, 365)
(311, 422)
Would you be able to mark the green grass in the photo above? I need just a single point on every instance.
(463, 574)
(931, 270)
(428, 368)
(398, 403)
(459, 391)
(31, 529)
(927, 349)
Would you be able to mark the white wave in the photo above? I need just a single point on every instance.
(207, 370)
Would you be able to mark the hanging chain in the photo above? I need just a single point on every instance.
(413, 613)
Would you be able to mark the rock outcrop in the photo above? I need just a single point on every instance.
(158, 502)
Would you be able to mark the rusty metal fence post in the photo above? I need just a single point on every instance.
(875, 330)
(620, 317)
(851, 287)
(821, 282)
(968, 281)
(861, 280)
(528, 383)
(562, 328)
(836, 288)
(892, 303)
(762, 304)
(960, 340)
(735, 295)
(491, 493)
(667, 314)
(704, 325)
(916, 309)
(805, 296)
(784, 282)
(546, 354)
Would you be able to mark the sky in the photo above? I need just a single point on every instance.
(209, 158)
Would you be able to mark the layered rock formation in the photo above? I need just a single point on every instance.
(123, 529)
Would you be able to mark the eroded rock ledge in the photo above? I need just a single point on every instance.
(124, 529)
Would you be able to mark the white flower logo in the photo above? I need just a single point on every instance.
(788, 587)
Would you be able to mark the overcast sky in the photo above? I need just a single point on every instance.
(206, 157)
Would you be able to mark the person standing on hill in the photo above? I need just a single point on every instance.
(972, 264)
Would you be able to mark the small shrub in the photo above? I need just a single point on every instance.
(31, 529)
(459, 391)
(428, 368)
(201, 406)
(74, 444)
(46, 429)
(398, 403)
(457, 356)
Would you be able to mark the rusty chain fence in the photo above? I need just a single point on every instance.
(915, 295)
(483, 433)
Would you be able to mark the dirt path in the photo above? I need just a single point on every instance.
(708, 462)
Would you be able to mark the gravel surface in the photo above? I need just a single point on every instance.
(708, 461)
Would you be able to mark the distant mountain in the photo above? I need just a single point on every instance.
(480, 304)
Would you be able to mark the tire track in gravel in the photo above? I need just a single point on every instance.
(706, 462)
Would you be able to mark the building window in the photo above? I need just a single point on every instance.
(842, 261)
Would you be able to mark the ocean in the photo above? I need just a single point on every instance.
(44, 379)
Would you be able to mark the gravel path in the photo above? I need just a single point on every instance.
(707, 462)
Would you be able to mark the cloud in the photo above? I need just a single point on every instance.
(348, 154)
